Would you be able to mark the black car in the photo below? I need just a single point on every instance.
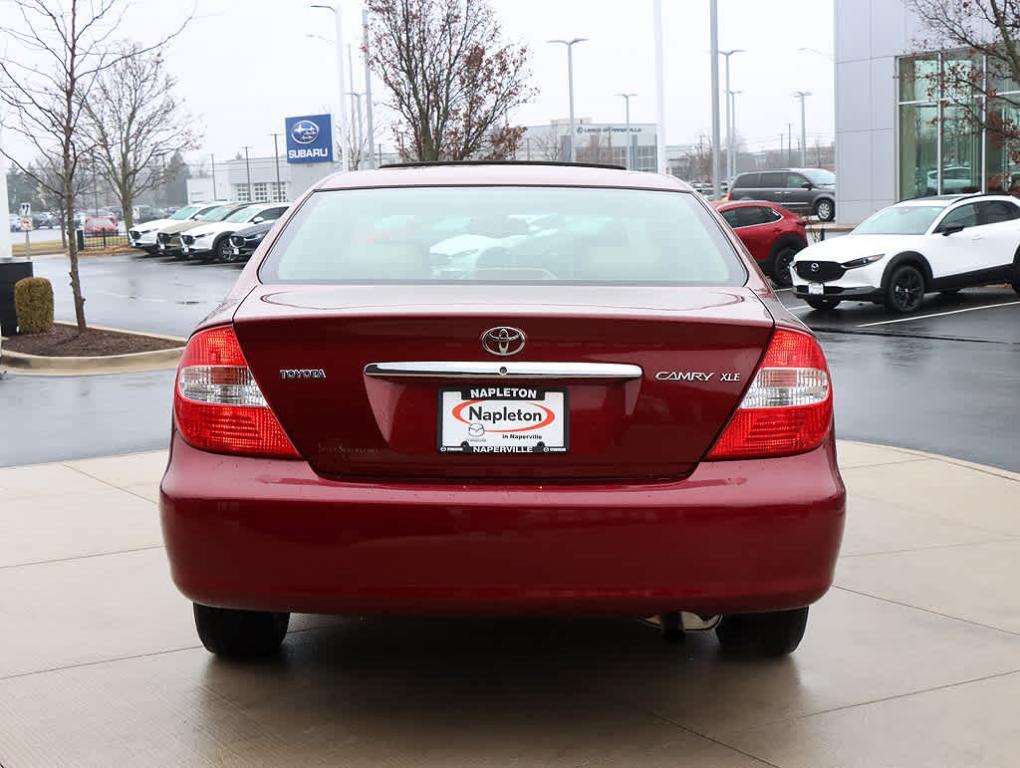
(244, 241)
(805, 190)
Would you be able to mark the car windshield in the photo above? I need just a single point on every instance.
(819, 176)
(504, 234)
(243, 214)
(218, 213)
(900, 220)
(185, 213)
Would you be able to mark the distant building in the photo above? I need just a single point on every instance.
(594, 143)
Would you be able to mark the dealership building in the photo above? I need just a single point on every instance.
(593, 143)
(898, 133)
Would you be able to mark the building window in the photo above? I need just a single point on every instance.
(279, 191)
(261, 192)
(242, 193)
(945, 143)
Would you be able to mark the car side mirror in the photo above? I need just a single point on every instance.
(807, 185)
(952, 229)
(257, 220)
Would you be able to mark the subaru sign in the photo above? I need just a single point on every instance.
(309, 139)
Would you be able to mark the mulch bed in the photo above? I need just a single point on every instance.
(65, 341)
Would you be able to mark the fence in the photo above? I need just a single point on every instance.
(100, 241)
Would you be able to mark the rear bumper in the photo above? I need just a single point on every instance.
(272, 535)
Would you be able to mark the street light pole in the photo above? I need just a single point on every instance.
(341, 115)
(369, 126)
(734, 151)
(247, 165)
(802, 95)
(212, 167)
(714, 35)
(660, 90)
(570, 87)
(276, 155)
(629, 160)
(730, 165)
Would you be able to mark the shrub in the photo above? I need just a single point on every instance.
(33, 302)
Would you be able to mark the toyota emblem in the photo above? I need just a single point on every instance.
(503, 341)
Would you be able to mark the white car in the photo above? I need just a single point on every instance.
(144, 235)
(912, 248)
(213, 238)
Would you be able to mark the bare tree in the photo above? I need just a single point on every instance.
(972, 28)
(127, 122)
(452, 77)
(58, 50)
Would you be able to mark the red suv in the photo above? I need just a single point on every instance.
(502, 390)
(771, 233)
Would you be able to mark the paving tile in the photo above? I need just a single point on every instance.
(966, 726)
(44, 480)
(874, 526)
(947, 491)
(38, 529)
(856, 649)
(851, 454)
(130, 469)
(976, 582)
(340, 697)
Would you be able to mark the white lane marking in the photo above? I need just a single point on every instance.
(782, 290)
(939, 314)
(800, 309)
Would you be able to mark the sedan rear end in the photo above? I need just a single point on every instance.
(502, 391)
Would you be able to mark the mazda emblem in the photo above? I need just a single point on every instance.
(814, 266)
(503, 341)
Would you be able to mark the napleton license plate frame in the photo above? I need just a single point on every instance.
(558, 404)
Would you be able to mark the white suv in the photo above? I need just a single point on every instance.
(912, 248)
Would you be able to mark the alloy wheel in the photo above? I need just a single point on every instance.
(781, 267)
(824, 210)
(908, 290)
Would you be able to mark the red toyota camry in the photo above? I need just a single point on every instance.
(502, 390)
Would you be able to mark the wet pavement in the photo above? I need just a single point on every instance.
(944, 380)
(140, 293)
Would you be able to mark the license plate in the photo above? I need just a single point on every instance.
(162, 247)
(502, 420)
(236, 251)
(815, 289)
(185, 248)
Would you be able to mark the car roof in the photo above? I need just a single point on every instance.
(944, 201)
(502, 174)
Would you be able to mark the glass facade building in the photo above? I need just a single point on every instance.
(949, 109)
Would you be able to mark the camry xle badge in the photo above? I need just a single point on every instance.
(814, 266)
(705, 376)
(302, 373)
(503, 341)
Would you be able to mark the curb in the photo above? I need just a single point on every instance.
(132, 362)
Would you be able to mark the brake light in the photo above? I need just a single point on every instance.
(218, 405)
(788, 407)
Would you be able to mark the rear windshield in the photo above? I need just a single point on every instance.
(503, 234)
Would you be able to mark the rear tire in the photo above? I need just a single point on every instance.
(1015, 282)
(905, 290)
(776, 633)
(233, 633)
(825, 210)
(823, 305)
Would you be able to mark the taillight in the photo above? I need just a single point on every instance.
(788, 407)
(218, 405)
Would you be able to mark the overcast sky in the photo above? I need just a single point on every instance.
(243, 65)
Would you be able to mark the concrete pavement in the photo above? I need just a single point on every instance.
(913, 659)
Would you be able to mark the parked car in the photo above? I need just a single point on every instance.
(168, 238)
(806, 190)
(613, 416)
(144, 236)
(912, 248)
(771, 233)
(213, 238)
(244, 241)
(100, 225)
(956, 179)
